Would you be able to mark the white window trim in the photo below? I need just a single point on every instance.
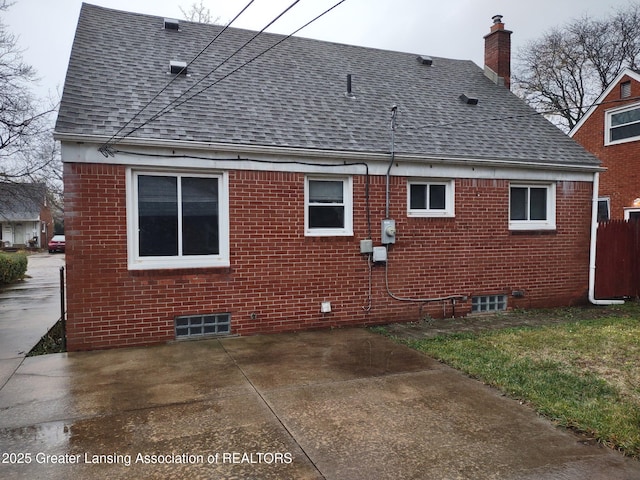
(135, 262)
(347, 195)
(607, 122)
(629, 210)
(608, 202)
(449, 202)
(549, 223)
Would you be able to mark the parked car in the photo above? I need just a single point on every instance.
(56, 244)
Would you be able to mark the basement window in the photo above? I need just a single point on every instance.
(190, 326)
(489, 303)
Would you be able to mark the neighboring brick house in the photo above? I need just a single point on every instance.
(610, 129)
(25, 216)
(269, 201)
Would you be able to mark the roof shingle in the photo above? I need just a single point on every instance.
(294, 95)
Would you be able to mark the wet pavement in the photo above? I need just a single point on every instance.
(335, 404)
(28, 309)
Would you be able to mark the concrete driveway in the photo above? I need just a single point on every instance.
(341, 404)
(28, 309)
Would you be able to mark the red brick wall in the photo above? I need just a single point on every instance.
(621, 181)
(280, 277)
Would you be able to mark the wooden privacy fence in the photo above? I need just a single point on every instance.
(617, 259)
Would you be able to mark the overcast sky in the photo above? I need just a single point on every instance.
(444, 28)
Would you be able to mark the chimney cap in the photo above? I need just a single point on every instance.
(497, 19)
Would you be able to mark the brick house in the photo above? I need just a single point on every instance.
(25, 215)
(302, 184)
(610, 130)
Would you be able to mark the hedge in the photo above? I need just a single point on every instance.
(13, 266)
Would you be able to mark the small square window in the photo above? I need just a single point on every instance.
(488, 303)
(430, 198)
(532, 207)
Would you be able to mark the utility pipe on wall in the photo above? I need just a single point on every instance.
(592, 247)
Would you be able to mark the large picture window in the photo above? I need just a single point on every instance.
(177, 220)
(532, 207)
(328, 207)
(623, 125)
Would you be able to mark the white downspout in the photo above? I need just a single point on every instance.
(592, 247)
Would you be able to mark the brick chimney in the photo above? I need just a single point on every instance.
(497, 53)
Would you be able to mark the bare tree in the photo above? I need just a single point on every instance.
(26, 144)
(569, 67)
(199, 13)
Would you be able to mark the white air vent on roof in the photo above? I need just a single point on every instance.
(178, 67)
(171, 24)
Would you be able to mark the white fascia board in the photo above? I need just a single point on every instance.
(247, 157)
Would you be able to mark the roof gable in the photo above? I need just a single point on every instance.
(627, 72)
(293, 96)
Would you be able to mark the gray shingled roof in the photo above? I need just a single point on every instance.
(21, 201)
(294, 96)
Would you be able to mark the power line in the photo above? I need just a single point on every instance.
(173, 105)
(105, 146)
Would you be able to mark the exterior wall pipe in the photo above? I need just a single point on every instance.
(592, 247)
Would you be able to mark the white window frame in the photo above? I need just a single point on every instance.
(607, 201)
(608, 126)
(550, 222)
(347, 203)
(136, 262)
(629, 210)
(449, 200)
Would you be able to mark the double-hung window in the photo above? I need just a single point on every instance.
(532, 207)
(430, 198)
(623, 125)
(177, 220)
(328, 206)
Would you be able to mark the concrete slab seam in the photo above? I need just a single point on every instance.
(268, 405)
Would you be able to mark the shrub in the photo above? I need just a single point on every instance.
(13, 266)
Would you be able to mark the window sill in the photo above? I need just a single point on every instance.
(534, 231)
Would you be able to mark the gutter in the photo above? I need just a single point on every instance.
(340, 155)
(592, 247)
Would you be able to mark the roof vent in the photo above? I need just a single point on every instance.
(177, 67)
(349, 92)
(171, 24)
(468, 100)
(425, 60)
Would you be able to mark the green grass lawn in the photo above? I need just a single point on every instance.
(583, 375)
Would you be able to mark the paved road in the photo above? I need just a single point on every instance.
(28, 309)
